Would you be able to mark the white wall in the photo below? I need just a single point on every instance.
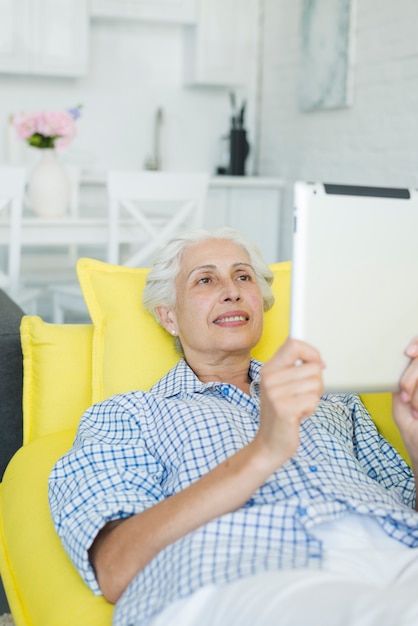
(135, 67)
(375, 140)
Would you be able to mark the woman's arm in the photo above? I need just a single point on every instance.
(291, 387)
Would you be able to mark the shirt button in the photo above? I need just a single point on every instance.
(313, 468)
(301, 510)
(224, 391)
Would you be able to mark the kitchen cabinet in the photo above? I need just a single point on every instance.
(221, 48)
(181, 11)
(44, 37)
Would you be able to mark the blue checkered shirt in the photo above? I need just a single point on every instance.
(136, 449)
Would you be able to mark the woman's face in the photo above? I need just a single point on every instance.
(219, 306)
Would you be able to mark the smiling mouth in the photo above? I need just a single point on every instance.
(232, 318)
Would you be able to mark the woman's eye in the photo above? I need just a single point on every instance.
(204, 280)
(244, 277)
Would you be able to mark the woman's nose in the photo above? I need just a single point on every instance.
(230, 291)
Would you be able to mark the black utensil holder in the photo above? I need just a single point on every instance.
(239, 148)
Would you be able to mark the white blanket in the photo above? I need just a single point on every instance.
(368, 579)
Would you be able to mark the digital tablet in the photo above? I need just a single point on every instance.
(354, 292)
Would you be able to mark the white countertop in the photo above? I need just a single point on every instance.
(99, 178)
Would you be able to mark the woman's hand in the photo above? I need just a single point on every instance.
(291, 388)
(405, 403)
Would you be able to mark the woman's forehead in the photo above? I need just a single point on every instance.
(213, 252)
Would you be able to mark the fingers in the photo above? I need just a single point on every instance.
(412, 349)
(292, 379)
(291, 388)
(295, 379)
(409, 380)
(293, 352)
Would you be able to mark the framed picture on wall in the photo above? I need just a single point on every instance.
(326, 50)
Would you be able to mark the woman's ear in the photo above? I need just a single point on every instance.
(167, 319)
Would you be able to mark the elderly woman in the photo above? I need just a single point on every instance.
(233, 493)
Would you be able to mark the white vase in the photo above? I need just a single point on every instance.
(49, 186)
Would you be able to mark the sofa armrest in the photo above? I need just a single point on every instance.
(41, 583)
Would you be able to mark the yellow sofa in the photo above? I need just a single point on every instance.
(66, 369)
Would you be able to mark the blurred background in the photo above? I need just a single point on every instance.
(330, 86)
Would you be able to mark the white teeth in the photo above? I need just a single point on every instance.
(233, 318)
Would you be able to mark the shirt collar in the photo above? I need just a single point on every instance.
(182, 379)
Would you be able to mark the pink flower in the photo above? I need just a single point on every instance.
(56, 124)
(25, 124)
(47, 129)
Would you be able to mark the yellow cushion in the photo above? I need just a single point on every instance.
(130, 350)
(57, 375)
(276, 321)
(128, 344)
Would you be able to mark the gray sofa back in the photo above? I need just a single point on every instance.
(11, 377)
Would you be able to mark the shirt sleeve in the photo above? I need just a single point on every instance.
(108, 474)
(376, 455)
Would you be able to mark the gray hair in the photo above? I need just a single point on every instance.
(160, 287)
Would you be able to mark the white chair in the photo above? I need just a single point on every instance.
(12, 189)
(154, 205)
(145, 209)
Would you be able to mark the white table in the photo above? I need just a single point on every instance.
(67, 231)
